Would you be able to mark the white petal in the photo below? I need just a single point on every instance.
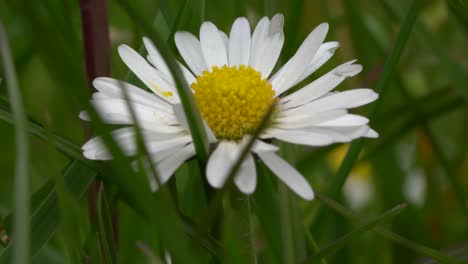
(151, 77)
(180, 115)
(115, 111)
(113, 89)
(239, 42)
(246, 178)
(261, 146)
(94, 145)
(341, 134)
(157, 60)
(212, 44)
(341, 100)
(298, 64)
(190, 49)
(324, 53)
(371, 134)
(168, 166)
(300, 120)
(220, 163)
(288, 174)
(125, 137)
(345, 121)
(322, 85)
(301, 137)
(225, 39)
(266, 45)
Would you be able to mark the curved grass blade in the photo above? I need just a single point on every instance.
(215, 203)
(105, 232)
(460, 9)
(342, 241)
(194, 119)
(266, 207)
(45, 209)
(21, 230)
(421, 249)
(389, 68)
(74, 151)
(66, 146)
(427, 39)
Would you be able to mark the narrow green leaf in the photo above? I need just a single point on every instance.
(427, 39)
(267, 209)
(22, 226)
(45, 209)
(66, 146)
(146, 250)
(72, 150)
(342, 241)
(389, 68)
(105, 232)
(216, 202)
(237, 230)
(460, 9)
(421, 249)
(194, 119)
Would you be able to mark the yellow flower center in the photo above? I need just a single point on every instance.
(232, 100)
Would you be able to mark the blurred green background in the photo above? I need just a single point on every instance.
(422, 117)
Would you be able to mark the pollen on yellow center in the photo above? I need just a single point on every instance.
(232, 100)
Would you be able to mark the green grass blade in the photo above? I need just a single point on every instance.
(427, 39)
(67, 147)
(266, 207)
(194, 119)
(21, 230)
(216, 202)
(105, 232)
(342, 241)
(421, 249)
(45, 208)
(460, 9)
(237, 230)
(72, 150)
(389, 68)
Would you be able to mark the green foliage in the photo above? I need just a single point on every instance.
(413, 53)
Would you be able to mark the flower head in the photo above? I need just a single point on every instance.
(231, 80)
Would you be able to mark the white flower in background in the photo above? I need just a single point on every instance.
(233, 85)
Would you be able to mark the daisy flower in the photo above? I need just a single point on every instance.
(233, 85)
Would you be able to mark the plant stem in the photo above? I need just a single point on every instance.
(21, 189)
(241, 207)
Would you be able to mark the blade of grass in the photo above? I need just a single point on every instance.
(412, 122)
(426, 39)
(135, 187)
(286, 225)
(45, 210)
(443, 160)
(215, 203)
(421, 249)
(105, 232)
(460, 9)
(68, 210)
(313, 244)
(73, 151)
(266, 207)
(66, 146)
(194, 119)
(21, 230)
(390, 65)
(389, 68)
(342, 241)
